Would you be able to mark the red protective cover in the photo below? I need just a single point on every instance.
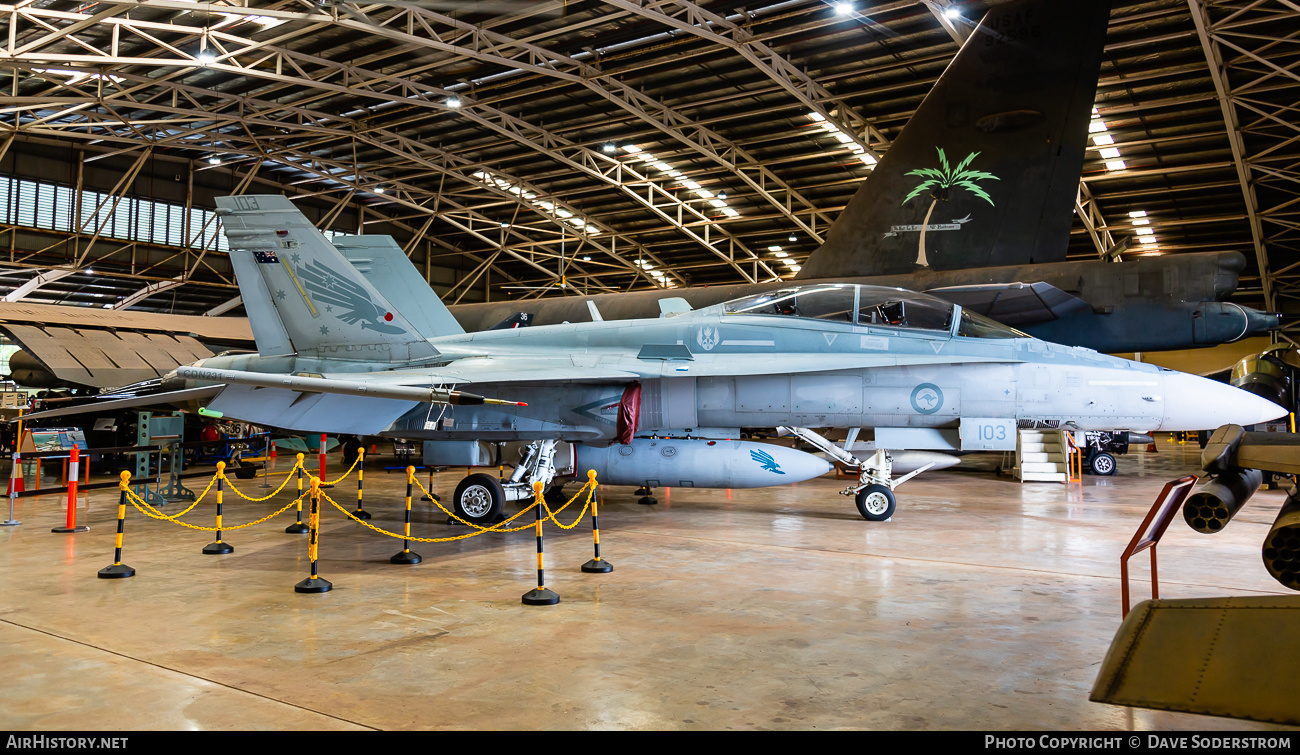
(629, 412)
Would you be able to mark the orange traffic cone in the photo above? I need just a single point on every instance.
(1151, 448)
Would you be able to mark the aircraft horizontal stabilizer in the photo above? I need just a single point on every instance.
(153, 399)
(1014, 304)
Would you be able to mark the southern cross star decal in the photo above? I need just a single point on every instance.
(295, 258)
(280, 294)
(324, 330)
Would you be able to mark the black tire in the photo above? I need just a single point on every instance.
(1102, 464)
(479, 499)
(876, 503)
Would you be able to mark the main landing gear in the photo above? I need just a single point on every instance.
(874, 492)
(480, 498)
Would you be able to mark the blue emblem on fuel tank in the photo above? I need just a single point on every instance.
(927, 398)
(764, 458)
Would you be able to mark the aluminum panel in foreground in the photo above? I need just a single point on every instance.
(1231, 657)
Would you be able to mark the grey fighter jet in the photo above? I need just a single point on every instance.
(660, 401)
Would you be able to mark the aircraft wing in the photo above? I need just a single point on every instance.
(105, 348)
(1014, 303)
(414, 384)
(172, 398)
(368, 403)
(628, 367)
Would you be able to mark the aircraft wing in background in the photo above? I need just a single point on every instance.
(1014, 304)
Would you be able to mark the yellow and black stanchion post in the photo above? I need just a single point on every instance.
(314, 583)
(597, 565)
(361, 512)
(407, 556)
(218, 548)
(119, 570)
(540, 596)
(298, 528)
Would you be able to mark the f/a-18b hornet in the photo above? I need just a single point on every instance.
(656, 401)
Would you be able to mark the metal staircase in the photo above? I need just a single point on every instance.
(1043, 456)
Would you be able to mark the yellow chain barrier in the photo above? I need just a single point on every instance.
(337, 480)
(211, 482)
(266, 497)
(432, 539)
(148, 510)
(496, 527)
(581, 514)
(499, 527)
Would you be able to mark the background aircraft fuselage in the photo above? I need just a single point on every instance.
(1147, 304)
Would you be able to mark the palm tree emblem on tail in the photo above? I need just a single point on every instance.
(940, 183)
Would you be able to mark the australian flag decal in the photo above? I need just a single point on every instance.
(266, 258)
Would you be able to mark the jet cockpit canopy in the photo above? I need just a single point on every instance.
(870, 306)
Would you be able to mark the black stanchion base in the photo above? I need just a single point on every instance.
(313, 585)
(78, 528)
(427, 498)
(406, 557)
(643, 490)
(116, 571)
(362, 514)
(598, 567)
(647, 500)
(218, 549)
(540, 597)
(297, 528)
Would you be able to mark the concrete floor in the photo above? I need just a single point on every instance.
(984, 604)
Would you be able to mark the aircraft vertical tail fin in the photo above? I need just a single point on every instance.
(986, 172)
(308, 297)
(390, 271)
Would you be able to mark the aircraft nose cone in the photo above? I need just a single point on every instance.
(1197, 403)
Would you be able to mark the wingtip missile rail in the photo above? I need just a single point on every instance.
(304, 384)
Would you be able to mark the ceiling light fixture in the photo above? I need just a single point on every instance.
(453, 102)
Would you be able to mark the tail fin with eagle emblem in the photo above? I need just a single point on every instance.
(302, 295)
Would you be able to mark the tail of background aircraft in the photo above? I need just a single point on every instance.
(302, 295)
(390, 271)
(986, 172)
